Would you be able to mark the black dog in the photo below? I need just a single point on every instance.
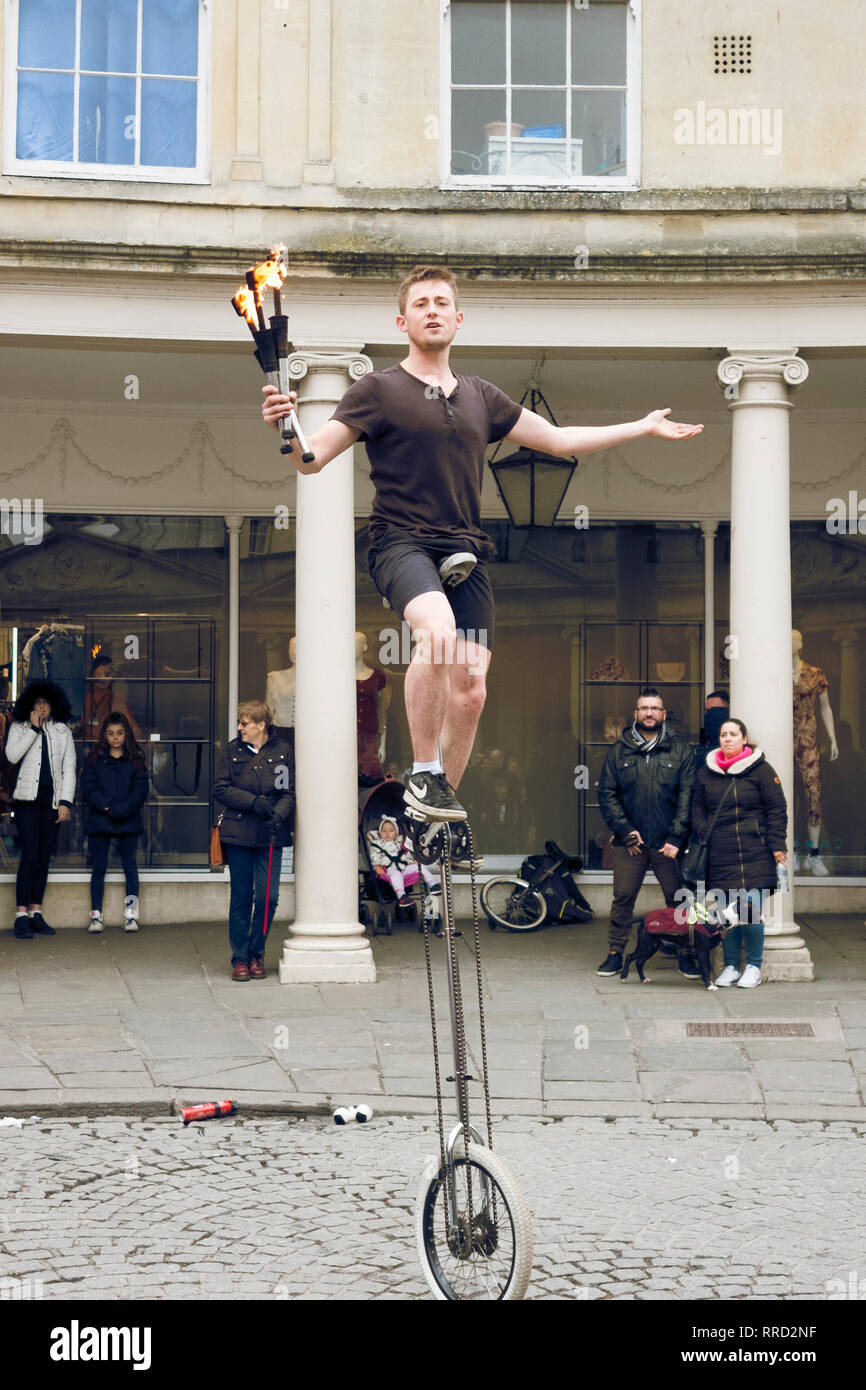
(671, 924)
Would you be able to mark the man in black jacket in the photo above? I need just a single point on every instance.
(645, 792)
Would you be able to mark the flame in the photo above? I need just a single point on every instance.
(245, 303)
(269, 274)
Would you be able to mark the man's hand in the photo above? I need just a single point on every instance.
(670, 851)
(634, 843)
(657, 423)
(63, 813)
(275, 406)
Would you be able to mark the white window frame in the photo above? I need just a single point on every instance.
(603, 183)
(117, 173)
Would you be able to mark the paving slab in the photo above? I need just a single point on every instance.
(708, 1087)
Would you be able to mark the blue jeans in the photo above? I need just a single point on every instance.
(750, 935)
(248, 871)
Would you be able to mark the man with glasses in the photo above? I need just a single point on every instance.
(645, 793)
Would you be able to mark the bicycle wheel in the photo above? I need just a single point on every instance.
(499, 1264)
(512, 904)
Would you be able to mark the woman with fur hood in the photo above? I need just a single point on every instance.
(39, 744)
(746, 845)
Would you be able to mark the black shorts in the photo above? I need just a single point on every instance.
(402, 567)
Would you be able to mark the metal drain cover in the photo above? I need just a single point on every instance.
(749, 1030)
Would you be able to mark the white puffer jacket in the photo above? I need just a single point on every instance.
(24, 746)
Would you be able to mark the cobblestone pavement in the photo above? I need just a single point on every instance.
(132, 1208)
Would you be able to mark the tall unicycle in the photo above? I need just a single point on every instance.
(472, 1223)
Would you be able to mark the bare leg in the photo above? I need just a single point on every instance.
(468, 693)
(428, 688)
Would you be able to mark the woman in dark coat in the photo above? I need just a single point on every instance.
(114, 789)
(747, 842)
(256, 783)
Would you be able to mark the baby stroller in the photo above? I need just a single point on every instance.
(378, 907)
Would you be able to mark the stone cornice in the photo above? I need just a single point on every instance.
(648, 266)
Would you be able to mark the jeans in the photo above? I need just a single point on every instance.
(248, 871)
(37, 836)
(629, 871)
(99, 848)
(750, 935)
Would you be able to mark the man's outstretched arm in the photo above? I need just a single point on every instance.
(534, 432)
(329, 440)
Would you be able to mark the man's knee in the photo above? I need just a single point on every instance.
(433, 638)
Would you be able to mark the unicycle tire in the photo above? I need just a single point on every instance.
(499, 1268)
(512, 904)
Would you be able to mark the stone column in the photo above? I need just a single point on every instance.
(233, 526)
(757, 382)
(327, 942)
(709, 529)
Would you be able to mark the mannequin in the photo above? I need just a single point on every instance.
(374, 697)
(810, 697)
(280, 695)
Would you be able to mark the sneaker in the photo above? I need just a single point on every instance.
(96, 922)
(751, 976)
(431, 794)
(404, 900)
(456, 568)
(612, 966)
(729, 976)
(688, 968)
(130, 922)
(40, 926)
(816, 865)
(22, 928)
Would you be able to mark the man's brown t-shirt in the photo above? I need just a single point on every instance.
(427, 450)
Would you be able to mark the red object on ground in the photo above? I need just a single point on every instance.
(210, 1110)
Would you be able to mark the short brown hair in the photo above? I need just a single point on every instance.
(256, 710)
(419, 273)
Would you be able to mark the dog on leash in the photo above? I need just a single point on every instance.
(690, 925)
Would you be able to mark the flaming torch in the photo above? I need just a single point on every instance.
(272, 343)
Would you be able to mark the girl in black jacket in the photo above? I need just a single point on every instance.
(255, 782)
(747, 842)
(114, 788)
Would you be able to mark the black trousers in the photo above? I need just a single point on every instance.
(37, 837)
(99, 847)
(629, 872)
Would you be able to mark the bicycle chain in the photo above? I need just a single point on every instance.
(442, 1165)
(477, 936)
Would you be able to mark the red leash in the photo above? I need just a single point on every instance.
(268, 889)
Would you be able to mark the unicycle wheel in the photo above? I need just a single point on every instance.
(492, 1262)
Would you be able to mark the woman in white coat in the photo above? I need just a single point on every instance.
(40, 744)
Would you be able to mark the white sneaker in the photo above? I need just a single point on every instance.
(130, 924)
(750, 978)
(817, 865)
(729, 976)
(96, 923)
(457, 567)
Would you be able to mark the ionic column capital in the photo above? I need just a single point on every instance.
(329, 357)
(779, 366)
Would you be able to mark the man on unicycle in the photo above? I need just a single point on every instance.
(427, 430)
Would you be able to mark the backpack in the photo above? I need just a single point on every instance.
(565, 902)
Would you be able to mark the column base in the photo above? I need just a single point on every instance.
(794, 971)
(327, 967)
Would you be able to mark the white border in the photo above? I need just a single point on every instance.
(47, 169)
(630, 181)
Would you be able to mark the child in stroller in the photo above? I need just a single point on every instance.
(391, 857)
(388, 866)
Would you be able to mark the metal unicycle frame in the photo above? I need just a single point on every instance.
(472, 1223)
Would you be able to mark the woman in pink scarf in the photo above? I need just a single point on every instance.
(746, 845)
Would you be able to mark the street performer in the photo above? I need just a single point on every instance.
(427, 430)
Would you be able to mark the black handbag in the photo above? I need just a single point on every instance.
(696, 859)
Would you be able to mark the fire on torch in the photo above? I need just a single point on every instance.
(272, 343)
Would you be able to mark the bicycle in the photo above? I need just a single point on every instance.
(518, 905)
(473, 1227)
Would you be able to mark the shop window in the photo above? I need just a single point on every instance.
(108, 89)
(539, 92)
